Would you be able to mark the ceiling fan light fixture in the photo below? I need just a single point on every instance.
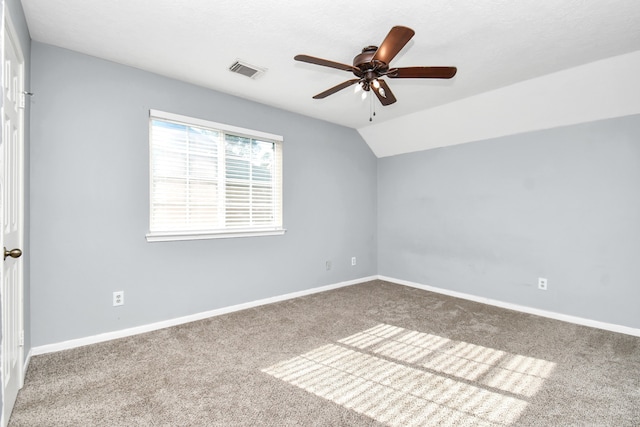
(357, 88)
(364, 95)
(376, 84)
(382, 92)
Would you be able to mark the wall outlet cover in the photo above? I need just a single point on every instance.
(118, 298)
(542, 283)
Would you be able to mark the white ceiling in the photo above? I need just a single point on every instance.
(493, 43)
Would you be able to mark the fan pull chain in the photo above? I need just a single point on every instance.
(372, 109)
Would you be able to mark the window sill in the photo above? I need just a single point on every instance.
(201, 235)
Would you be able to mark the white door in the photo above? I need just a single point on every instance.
(11, 189)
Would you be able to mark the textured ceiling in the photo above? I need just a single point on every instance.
(493, 43)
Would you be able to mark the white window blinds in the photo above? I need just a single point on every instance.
(209, 178)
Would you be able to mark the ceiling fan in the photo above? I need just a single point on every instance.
(373, 63)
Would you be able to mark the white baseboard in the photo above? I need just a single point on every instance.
(79, 342)
(25, 366)
(524, 309)
(27, 360)
(66, 345)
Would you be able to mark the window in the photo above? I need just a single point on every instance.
(212, 180)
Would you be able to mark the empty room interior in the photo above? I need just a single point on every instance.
(320, 213)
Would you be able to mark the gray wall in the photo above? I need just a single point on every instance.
(89, 203)
(486, 218)
(491, 217)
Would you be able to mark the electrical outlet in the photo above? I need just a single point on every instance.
(542, 283)
(353, 260)
(118, 298)
(328, 265)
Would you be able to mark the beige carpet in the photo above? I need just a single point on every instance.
(366, 355)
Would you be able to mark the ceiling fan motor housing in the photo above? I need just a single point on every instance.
(365, 63)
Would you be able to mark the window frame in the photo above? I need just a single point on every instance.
(177, 235)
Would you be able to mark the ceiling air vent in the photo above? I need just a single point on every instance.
(246, 69)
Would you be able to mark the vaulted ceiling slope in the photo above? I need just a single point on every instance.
(495, 45)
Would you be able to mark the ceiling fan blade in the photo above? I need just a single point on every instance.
(383, 93)
(336, 89)
(325, 63)
(422, 73)
(397, 38)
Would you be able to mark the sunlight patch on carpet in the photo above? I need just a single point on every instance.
(402, 377)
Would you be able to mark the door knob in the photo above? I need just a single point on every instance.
(13, 253)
